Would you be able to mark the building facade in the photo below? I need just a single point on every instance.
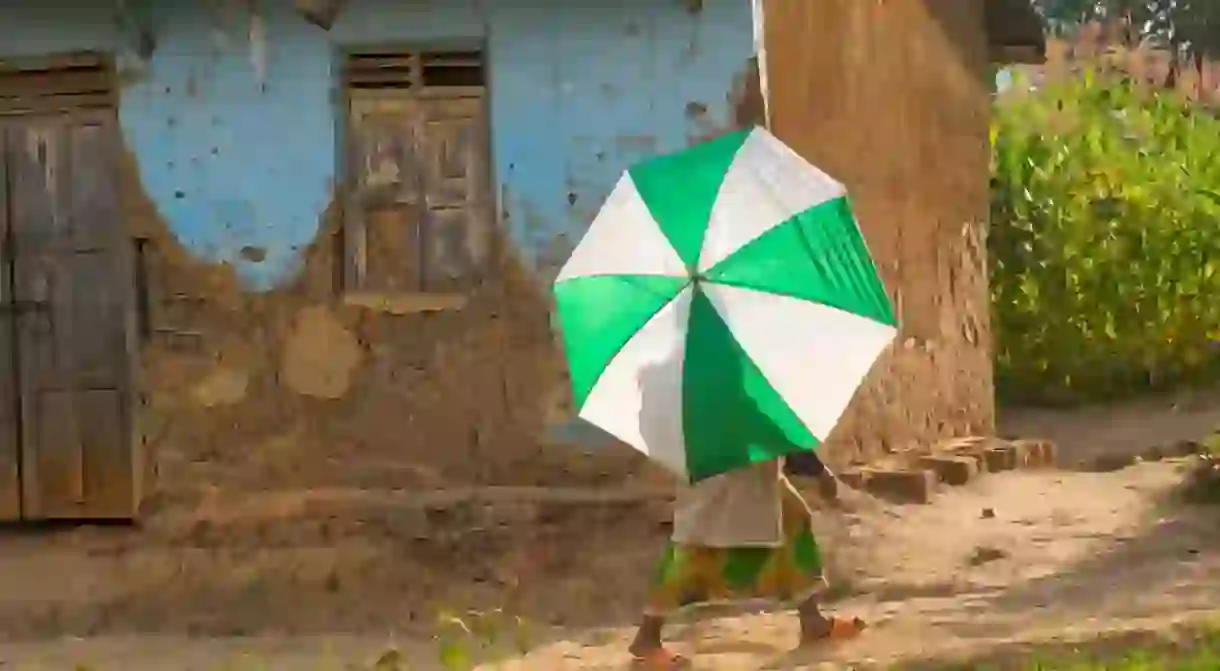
(249, 252)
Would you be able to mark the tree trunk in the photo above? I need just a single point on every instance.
(891, 97)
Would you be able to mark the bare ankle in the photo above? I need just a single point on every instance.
(648, 637)
(813, 622)
(814, 625)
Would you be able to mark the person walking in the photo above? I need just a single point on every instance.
(742, 535)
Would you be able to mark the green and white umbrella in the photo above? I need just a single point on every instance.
(722, 308)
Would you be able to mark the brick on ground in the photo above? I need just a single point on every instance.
(856, 478)
(904, 485)
(965, 445)
(1025, 455)
(1038, 453)
(951, 470)
(981, 449)
(1050, 454)
(977, 456)
(1001, 458)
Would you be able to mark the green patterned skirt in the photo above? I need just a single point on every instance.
(694, 575)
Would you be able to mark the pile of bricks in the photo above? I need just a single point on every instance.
(914, 477)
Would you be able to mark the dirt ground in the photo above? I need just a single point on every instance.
(320, 579)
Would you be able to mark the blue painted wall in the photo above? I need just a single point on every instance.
(577, 94)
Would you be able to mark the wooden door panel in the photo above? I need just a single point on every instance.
(38, 154)
(10, 456)
(50, 455)
(382, 136)
(109, 460)
(449, 248)
(456, 228)
(381, 225)
(464, 107)
(393, 255)
(450, 147)
(81, 466)
(75, 329)
(103, 301)
(66, 314)
(105, 339)
(451, 138)
(52, 461)
(93, 204)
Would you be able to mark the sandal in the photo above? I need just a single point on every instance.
(660, 659)
(841, 629)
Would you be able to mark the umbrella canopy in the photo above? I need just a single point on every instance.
(722, 308)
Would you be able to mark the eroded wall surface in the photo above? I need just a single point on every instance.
(898, 108)
(256, 374)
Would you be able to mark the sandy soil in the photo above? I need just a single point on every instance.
(320, 579)
(1067, 554)
(1089, 433)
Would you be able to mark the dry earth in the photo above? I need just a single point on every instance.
(1066, 555)
(319, 579)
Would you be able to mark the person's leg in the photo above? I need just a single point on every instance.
(802, 569)
(674, 582)
(648, 636)
(814, 625)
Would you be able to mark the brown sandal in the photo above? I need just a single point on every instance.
(841, 629)
(660, 659)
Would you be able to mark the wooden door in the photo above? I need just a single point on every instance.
(71, 305)
(420, 201)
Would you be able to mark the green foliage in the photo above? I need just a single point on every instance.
(1105, 241)
(1191, 25)
(1194, 648)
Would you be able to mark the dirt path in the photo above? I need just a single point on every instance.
(319, 579)
(1126, 428)
(1065, 555)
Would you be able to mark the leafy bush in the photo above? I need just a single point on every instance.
(1105, 240)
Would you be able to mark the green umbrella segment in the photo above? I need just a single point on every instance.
(722, 309)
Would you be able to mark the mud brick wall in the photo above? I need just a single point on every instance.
(293, 389)
(299, 388)
(894, 102)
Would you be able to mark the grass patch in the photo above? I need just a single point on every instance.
(1184, 649)
(1140, 660)
(476, 636)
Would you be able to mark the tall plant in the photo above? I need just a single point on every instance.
(1192, 25)
(1105, 240)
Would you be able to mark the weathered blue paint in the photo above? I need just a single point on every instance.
(578, 92)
